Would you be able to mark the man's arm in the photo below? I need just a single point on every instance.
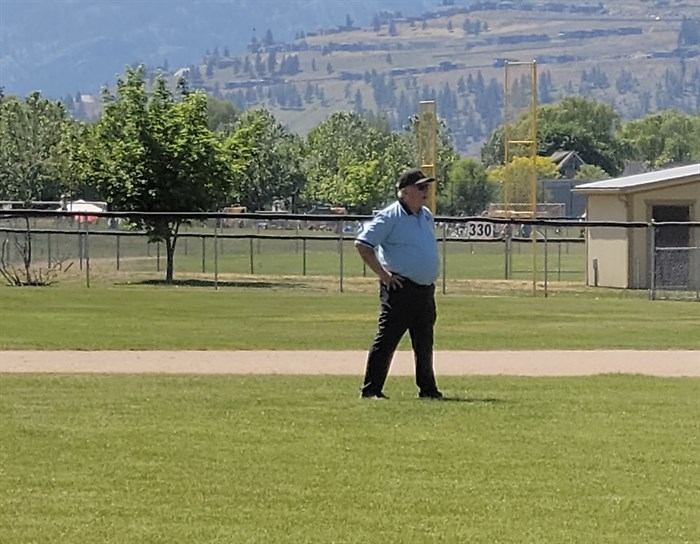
(370, 258)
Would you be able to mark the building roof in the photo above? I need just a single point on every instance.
(562, 157)
(643, 182)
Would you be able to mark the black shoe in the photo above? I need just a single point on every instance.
(379, 395)
(434, 395)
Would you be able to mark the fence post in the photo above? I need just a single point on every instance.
(252, 264)
(185, 239)
(559, 259)
(652, 260)
(48, 250)
(341, 241)
(444, 258)
(216, 254)
(118, 250)
(546, 263)
(303, 258)
(158, 256)
(204, 253)
(80, 245)
(87, 254)
(508, 250)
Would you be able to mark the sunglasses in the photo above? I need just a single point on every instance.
(422, 187)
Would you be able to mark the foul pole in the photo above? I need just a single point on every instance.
(427, 145)
(520, 138)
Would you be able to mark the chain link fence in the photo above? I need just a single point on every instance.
(213, 249)
(675, 258)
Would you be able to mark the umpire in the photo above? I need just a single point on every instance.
(399, 245)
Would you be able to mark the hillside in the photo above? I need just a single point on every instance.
(624, 52)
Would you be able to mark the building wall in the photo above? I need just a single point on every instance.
(623, 254)
(681, 195)
(607, 247)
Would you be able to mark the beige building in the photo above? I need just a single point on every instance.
(619, 256)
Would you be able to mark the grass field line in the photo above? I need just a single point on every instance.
(671, 363)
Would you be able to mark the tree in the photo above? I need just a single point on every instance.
(493, 150)
(515, 178)
(392, 28)
(589, 172)
(588, 127)
(445, 151)
(664, 138)
(469, 191)
(32, 166)
(31, 132)
(272, 168)
(351, 163)
(221, 115)
(574, 124)
(358, 108)
(156, 154)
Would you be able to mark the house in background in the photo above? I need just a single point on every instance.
(568, 163)
(619, 256)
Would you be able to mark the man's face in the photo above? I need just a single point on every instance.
(416, 196)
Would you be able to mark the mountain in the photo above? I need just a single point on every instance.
(62, 46)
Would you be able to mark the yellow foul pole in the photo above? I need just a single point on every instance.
(427, 145)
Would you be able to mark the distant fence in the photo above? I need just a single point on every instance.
(217, 246)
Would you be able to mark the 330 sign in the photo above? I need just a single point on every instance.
(480, 230)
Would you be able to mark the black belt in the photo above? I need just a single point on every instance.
(411, 283)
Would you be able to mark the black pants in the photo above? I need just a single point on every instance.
(409, 308)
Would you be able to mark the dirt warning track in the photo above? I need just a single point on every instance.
(447, 363)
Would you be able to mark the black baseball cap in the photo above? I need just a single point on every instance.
(412, 177)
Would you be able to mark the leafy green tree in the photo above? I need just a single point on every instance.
(31, 134)
(351, 163)
(221, 114)
(468, 191)
(515, 178)
(589, 172)
(156, 154)
(664, 138)
(445, 149)
(574, 124)
(272, 166)
(588, 127)
(493, 150)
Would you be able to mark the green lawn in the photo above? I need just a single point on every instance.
(277, 459)
(288, 313)
(261, 459)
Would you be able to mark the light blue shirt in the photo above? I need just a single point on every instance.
(404, 242)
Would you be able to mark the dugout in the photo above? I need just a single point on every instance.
(620, 257)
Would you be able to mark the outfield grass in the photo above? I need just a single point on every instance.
(260, 459)
(293, 314)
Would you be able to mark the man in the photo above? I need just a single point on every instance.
(399, 245)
